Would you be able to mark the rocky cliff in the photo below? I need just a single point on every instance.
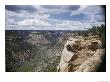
(81, 54)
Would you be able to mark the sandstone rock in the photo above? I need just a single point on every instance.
(66, 56)
(78, 52)
(93, 62)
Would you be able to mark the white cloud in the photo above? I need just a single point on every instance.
(47, 24)
(26, 15)
(87, 10)
(40, 19)
(82, 7)
(56, 9)
(92, 12)
(10, 22)
(33, 22)
(80, 10)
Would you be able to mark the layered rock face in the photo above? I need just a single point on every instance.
(81, 55)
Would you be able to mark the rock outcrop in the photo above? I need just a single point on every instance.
(93, 62)
(81, 55)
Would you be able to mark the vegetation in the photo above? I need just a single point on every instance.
(99, 31)
(23, 56)
(17, 51)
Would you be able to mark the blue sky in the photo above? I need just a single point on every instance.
(53, 17)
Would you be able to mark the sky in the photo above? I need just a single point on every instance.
(53, 17)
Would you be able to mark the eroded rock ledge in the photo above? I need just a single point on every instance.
(81, 55)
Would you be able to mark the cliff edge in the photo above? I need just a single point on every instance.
(82, 54)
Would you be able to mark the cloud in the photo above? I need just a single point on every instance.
(66, 7)
(93, 13)
(10, 22)
(24, 15)
(20, 8)
(80, 10)
(56, 9)
(33, 22)
(40, 24)
(53, 17)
